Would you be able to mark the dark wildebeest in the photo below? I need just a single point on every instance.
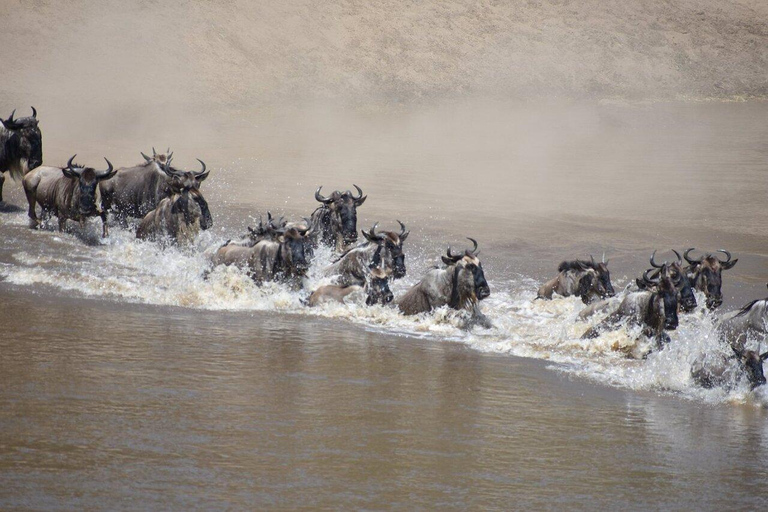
(135, 191)
(376, 289)
(176, 218)
(586, 279)
(716, 370)
(460, 285)
(750, 323)
(685, 296)
(68, 193)
(21, 147)
(655, 311)
(382, 250)
(286, 257)
(706, 274)
(335, 222)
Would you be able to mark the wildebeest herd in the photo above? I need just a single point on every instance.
(171, 209)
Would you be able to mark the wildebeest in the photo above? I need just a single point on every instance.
(750, 323)
(686, 297)
(21, 147)
(655, 311)
(176, 218)
(285, 258)
(381, 250)
(706, 275)
(68, 193)
(715, 369)
(586, 279)
(376, 289)
(135, 191)
(460, 285)
(335, 222)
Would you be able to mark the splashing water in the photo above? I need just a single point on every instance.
(122, 268)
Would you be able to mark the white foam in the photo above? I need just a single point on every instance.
(125, 269)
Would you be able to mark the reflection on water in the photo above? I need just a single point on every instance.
(113, 395)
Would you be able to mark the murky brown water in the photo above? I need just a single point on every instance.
(112, 396)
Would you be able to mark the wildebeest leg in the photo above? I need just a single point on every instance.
(62, 223)
(2, 180)
(104, 227)
(33, 222)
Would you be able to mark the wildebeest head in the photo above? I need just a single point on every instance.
(377, 287)
(26, 141)
(679, 278)
(191, 181)
(389, 252)
(468, 283)
(707, 275)
(342, 207)
(663, 304)
(86, 180)
(296, 251)
(752, 362)
(271, 229)
(159, 158)
(181, 190)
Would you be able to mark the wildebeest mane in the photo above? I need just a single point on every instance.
(578, 265)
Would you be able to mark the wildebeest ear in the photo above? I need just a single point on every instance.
(730, 264)
(404, 236)
(69, 173)
(201, 177)
(764, 356)
(447, 260)
(640, 284)
(360, 201)
(145, 156)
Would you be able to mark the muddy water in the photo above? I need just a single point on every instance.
(130, 381)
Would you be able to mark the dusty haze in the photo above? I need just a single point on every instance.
(129, 56)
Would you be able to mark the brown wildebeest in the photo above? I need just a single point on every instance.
(68, 193)
(382, 250)
(21, 147)
(335, 222)
(460, 285)
(586, 279)
(706, 273)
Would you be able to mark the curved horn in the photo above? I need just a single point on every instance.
(474, 243)
(359, 193)
(109, 167)
(648, 279)
(592, 260)
(34, 112)
(372, 232)
(689, 259)
(203, 164)
(653, 260)
(402, 228)
(679, 258)
(319, 197)
(451, 255)
(727, 254)
(70, 164)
